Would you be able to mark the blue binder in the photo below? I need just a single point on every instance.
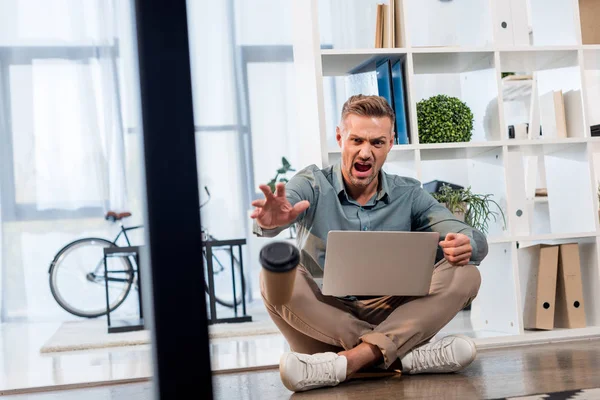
(384, 83)
(402, 135)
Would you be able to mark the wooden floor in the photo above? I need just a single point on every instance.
(495, 374)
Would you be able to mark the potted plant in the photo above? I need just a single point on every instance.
(472, 208)
(284, 169)
(444, 119)
(280, 177)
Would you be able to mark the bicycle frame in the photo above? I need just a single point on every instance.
(124, 231)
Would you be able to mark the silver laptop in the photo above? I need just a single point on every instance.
(379, 263)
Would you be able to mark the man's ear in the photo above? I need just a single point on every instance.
(338, 136)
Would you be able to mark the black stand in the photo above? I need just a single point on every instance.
(209, 245)
(123, 325)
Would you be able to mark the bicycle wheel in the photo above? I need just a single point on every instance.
(222, 276)
(77, 279)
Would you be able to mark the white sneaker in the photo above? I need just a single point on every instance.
(449, 354)
(300, 372)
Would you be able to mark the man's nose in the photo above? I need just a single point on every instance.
(365, 151)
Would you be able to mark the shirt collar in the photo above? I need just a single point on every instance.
(338, 184)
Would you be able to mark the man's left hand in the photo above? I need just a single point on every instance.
(457, 249)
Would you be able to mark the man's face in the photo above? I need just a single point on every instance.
(365, 143)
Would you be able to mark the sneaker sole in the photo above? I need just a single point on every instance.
(473, 348)
(282, 360)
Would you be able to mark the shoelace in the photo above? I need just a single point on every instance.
(434, 356)
(320, 372)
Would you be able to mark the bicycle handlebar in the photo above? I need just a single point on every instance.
(208, 193)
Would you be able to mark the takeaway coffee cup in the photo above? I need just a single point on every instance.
(279, 261)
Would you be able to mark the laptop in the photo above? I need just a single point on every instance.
(379, 263)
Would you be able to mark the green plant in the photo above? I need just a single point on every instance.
(444, 119)
(284, 169)
(475, 207)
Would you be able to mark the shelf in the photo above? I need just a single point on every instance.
(444, 62)
(350, 52)
(343, 62)
(395, 148)
(554, 237)
(499, 239)
(483, 145)
(489, 340)
(450, 49)
(540, 142)
(528, 59)
(503, 49)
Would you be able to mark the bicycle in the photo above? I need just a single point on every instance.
(77, 281)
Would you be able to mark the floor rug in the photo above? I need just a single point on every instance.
(581, 394)
(92, 334)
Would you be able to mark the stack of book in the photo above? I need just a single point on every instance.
(387, 30)
(595, 130)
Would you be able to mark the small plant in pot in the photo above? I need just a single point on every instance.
(472, 208)
(280, 176)
(444, 119)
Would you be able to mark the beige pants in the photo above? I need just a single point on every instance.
(314, 323)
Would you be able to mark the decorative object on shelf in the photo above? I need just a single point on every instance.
(435, 186)
(444, 119)
(595, 130)
(541, 192)
(474, 209)
(285, 168)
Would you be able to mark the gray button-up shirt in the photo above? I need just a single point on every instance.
(400, 204)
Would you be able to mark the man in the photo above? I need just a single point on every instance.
(332, 338)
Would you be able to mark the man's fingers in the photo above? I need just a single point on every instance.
(267, 191)
(450, 236)
(259, 203)
(455, 240)
(280, 189)
(459, 259)
(255, 213)
(300, 207)
(456, 251)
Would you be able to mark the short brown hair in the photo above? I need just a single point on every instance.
(368, 106)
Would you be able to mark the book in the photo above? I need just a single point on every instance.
(552, 115)
(379, 27)
(589, 11)
(400, 103)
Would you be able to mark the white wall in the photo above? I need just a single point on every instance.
(458, 22)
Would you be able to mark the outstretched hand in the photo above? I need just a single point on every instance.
(457, 249)
(275, 210)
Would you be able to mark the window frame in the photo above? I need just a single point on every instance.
(24, 55)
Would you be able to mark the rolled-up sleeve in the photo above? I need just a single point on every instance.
(429, 215)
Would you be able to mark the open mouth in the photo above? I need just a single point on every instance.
(362, 169)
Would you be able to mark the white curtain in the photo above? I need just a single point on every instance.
(65, 62)
(78, 134)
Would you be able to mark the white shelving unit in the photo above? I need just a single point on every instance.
(471, 68)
